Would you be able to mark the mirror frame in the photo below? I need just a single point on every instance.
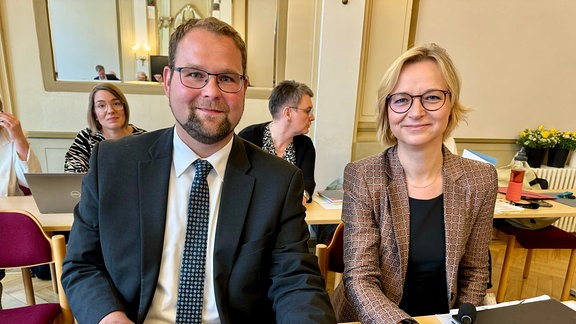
(47, 67)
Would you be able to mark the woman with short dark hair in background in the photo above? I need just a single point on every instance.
(290, 105)
(108, 118)
(417, 218)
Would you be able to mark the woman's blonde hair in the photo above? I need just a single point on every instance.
(431, 52)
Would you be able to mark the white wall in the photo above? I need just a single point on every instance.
(337, 84)
(39, 110)
(96, 43)
(516, 60)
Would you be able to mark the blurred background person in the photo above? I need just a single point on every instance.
(417, 218)
(108, 118)
(16, 159)
(158, 77)
(102, 75)
(290, 105)
(141, 76)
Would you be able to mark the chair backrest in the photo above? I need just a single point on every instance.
(336, 250)
(25, 190)
(24, 244)
(331, 257)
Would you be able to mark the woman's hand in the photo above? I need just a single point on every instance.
(12, 125)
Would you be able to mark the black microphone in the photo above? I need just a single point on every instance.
(467, 313)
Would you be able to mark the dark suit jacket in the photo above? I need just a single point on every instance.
(263, 272)
(305, 152)
(108, 77)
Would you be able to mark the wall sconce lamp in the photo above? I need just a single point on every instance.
(141, 52)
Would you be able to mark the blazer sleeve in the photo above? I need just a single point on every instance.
(77, 157)
(84, 274)
(473, 272)
(306, 161)
(297, 289)
(364, 279)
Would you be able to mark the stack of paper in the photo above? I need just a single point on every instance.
(332, 196)
(473, 155)
(504, 207)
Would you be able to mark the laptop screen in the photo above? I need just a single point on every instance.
(55, 192)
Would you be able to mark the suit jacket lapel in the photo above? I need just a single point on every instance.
(154, 175)
(234, 201)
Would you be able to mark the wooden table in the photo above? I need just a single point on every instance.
(315, 213)
(557, 210)
(50, 222)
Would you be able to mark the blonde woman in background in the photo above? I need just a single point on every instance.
(108, 118)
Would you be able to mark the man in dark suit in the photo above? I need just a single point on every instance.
(126, 244)
(102, 75)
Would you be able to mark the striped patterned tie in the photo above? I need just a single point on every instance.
(191, 287)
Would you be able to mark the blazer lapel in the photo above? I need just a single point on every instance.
(154, 175)
(399, 205)
(234, 202)
(455, 217)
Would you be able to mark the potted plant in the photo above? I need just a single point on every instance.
(536, 141)
(558, 154)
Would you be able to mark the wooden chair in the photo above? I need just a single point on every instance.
(550, 237)
(331, 257)
(24, 244)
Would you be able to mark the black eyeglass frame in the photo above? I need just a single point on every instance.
(216, 75)
(388, 97)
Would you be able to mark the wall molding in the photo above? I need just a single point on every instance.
(50, 134)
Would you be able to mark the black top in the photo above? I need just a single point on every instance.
(305, 152)
(425, 288)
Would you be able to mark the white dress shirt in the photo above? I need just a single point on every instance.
(12, 168)
(163, 308)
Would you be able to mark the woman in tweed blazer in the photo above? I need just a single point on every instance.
(417, 218)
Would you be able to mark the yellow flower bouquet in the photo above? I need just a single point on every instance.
(565, 140)
(540, 137)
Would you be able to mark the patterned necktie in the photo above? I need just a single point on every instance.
(191, 287)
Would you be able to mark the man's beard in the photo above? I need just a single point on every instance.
(197, 130)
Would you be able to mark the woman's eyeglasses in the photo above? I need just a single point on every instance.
(431, 100)
(102, 106)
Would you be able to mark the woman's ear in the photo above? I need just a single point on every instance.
(287, 112)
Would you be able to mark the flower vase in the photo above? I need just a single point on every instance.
(557, 157)
(535, 156)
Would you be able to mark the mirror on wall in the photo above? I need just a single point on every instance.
(130, 38)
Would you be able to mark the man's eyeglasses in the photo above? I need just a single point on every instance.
(102, 106)
(431, 100)
(197, 79)
(308, 111)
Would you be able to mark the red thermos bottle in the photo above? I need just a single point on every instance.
(517, 172)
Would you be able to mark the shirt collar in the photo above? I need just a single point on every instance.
(184, 156)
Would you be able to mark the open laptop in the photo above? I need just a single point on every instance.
(55, 192)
